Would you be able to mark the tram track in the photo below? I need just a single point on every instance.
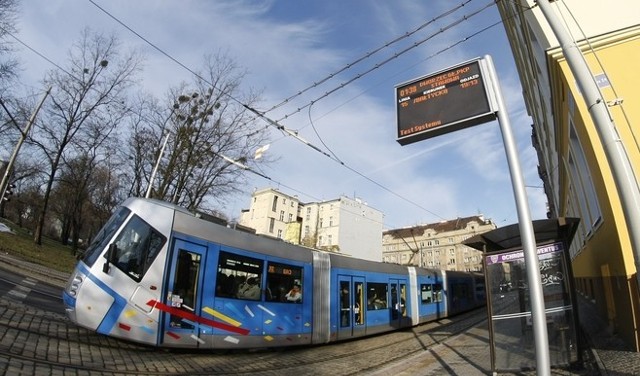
(104, 355)
(32, 288)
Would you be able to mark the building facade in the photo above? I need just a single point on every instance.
(272, 213)
(436, 245)
(573, 165)
(344, 225)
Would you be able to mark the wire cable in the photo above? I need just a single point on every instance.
(389, 59)
(276, 124)
(367, 55)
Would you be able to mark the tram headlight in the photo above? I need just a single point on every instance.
(74, 283)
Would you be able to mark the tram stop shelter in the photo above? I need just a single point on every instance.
(511, 334)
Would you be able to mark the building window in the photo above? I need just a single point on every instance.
(320, 223)
(275, 203)
(290, 217)
(582, 181)
(329, 239)
(282, 215)
(330, 221)
(279, 234)
(272, 222)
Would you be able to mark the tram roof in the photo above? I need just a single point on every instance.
(508, 237)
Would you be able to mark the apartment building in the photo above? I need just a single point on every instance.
(436, 245)
(272, 213)
(344, 225)
(574, 164)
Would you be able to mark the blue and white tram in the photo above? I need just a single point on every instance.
(158, 275)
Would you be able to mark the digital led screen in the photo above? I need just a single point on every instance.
(443, 102)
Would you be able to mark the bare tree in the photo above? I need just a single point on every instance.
(8, 64)
(207, 122)
(146, 122)
(80, 114)
(8, 72)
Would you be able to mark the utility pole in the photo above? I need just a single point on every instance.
(5, 178)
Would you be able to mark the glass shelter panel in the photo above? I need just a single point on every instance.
(513, 342)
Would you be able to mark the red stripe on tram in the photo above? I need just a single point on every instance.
(199, 319)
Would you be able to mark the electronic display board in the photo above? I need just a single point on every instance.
(443, 102)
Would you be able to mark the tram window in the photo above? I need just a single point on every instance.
(137, 245)
(437, 292)
(426, 293)
(100, 241)
(345, 304)
(430, 293)
(377, 296)
(284, 283)
(359, 302)
(239, 277)
(185, 286)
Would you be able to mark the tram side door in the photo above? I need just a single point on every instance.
(398, 301)
(182, 304)
(351, 306)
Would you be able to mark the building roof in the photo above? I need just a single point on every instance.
(444, 226)
(545, 230)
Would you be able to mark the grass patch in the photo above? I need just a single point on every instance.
(51, 253)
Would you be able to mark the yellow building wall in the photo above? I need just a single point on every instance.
(606, 266)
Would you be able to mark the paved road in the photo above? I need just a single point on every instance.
(36, 338)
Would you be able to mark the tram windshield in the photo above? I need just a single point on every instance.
(101, 240)
(137, 246)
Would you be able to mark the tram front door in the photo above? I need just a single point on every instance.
(182, 303)
(351, 306)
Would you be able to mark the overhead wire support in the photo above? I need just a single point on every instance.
(282, 128)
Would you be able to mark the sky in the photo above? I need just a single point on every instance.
(286, 46)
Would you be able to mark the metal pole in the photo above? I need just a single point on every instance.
(538, 316)
(155, 168)
(5, 177)
(621, 168)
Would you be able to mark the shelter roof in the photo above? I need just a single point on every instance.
(508, 237)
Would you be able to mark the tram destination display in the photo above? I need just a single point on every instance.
(443, 102)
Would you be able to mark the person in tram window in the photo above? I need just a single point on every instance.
(249, 289)
(294, 295)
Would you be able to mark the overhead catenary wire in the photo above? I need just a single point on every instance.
(389, 59)
(367, 55)
(271, 122)
(276, 123)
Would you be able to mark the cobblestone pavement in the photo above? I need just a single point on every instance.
(49, 339)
